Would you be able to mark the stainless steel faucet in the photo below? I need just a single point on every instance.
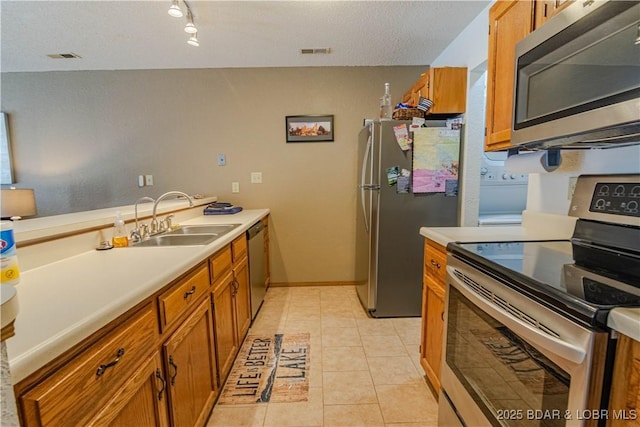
(154, 221)
(136, 233)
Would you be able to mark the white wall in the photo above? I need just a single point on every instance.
(550, 192)
(469, 50)
(546, 192)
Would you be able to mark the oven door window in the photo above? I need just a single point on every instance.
(511, 382)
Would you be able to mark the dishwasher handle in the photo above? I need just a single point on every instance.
(254, 230)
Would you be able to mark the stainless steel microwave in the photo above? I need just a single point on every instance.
(577, 79)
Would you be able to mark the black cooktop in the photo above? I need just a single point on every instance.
(548, 272)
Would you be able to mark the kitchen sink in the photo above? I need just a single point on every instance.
(178, 240)
(218, 229)
(188, 235)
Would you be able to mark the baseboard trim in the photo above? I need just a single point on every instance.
(306, 284)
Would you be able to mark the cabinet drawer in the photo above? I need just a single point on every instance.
(220, 264)
(75, 392)
(182, 295)
(435, 260)
(239, 248)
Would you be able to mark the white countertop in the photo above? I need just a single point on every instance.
(626, 321)
(66, 301)
(535, 226)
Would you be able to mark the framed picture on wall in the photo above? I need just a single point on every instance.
(309, 128)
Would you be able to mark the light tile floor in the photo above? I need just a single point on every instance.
(363, 372)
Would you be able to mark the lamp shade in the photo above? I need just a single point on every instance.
(18, 202)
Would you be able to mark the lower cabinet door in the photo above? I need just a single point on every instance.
(225, 323)
(189, 358)
(142, 401)
(243, 298)
(434, 332)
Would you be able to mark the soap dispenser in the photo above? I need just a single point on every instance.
(120, 239)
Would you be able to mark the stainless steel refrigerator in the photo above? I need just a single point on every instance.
(389, 248)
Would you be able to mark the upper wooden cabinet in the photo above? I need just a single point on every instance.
(546, 9)
(509, 22)
(445, 86)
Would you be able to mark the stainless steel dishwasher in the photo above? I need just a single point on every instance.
(255, 235)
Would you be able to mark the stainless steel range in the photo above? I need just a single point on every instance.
(526, 340)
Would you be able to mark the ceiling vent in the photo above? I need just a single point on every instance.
(63, 56)
(324, 50)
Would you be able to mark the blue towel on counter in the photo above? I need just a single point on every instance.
(221, 208)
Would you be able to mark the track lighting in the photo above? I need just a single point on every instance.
(175, 10)
(190, 27)
(193, 40)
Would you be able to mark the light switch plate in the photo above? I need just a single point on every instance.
(140, 181)
(235, 187)
(148, 180)
(222, 160)
(256, 177)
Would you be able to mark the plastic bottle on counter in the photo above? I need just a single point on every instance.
(120, 239)
(10, 272)
(386, 112)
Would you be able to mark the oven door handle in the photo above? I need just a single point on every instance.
(566, 350)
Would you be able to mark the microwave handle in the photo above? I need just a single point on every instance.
(554, 345)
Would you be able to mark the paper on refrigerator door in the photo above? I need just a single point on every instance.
(435, 160)
(402, 137)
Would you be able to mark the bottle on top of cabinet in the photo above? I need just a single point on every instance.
(385, 104)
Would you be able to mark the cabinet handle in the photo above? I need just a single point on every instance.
(442, 316)
(175, 370)
(435, 264)
(103, 368)
(236, 286)
(191, 292)
(164, 383)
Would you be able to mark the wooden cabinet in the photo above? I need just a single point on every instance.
(433, 300)
(232, 305)
(242, 297)
(547, 9)
(142, 401)
(445, 86)
(624, 404)
(224, 323)
(71, 394)
(190, 364)
(509, 22)
(182, 296)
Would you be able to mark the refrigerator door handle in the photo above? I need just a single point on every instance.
(364, 186)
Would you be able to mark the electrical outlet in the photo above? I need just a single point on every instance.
(235, 187)
(256, 177)
(573, 180)
(140, 181)
(222, 160)
(148, 180)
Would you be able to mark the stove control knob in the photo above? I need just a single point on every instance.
(505, 176)
(483, 170)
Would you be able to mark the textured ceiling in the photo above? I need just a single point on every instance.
(111, 35)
